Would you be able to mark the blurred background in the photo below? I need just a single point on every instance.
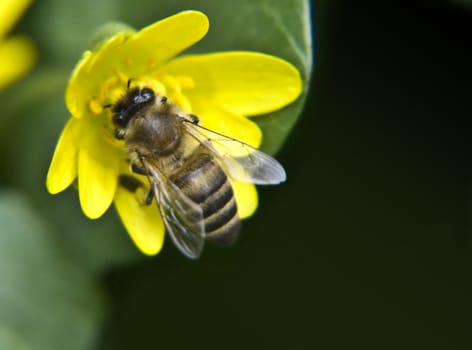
(368, 244)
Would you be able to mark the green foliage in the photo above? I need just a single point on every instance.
(63, 29)
(47, 300)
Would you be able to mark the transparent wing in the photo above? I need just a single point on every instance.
(241, 161)
(182, 217)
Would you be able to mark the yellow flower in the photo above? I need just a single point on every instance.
(221, 88)
(17, 54)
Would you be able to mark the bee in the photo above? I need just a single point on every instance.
(188, 167)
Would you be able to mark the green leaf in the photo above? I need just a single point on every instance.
(62, 29)
(279, 28)
(47, 301)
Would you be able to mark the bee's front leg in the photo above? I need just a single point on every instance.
(149, 197)
(120, 134)
(138, 169)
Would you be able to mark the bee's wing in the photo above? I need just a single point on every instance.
(241, 161)
(182, 217)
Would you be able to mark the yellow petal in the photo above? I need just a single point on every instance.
(247, 83)
(246, 198)
(143, 222)
(133, 55)
(98, 175)
(10, 11)
(164, 39)
(88, 76)
(75, 98)
(63, 168)
(17, 55)
(227, 123)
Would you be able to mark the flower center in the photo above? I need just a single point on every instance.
(176, 86)
(173, 87)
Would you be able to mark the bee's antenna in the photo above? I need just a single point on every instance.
(108, 105)
(128, 84)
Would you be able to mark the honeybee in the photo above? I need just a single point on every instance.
(188, 168)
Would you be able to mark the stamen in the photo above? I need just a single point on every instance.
(186, 82)
(95, 106)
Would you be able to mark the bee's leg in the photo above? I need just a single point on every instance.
(138, 169)
(130, 183)
(149, 197)
(194, 119)
(120, 134)
(141, 171)
(135, 186)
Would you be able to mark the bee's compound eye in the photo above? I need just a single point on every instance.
(137, 98)
(144, 95)
(147, 94)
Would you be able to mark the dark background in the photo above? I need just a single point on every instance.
(371, 246)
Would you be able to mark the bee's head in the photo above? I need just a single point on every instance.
(132, 102)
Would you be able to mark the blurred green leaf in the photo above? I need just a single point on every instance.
(62, 29)
(47, 300)
(280, 28)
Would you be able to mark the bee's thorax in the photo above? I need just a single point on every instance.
(155, 131)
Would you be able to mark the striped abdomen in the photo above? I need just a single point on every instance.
(204, 182)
